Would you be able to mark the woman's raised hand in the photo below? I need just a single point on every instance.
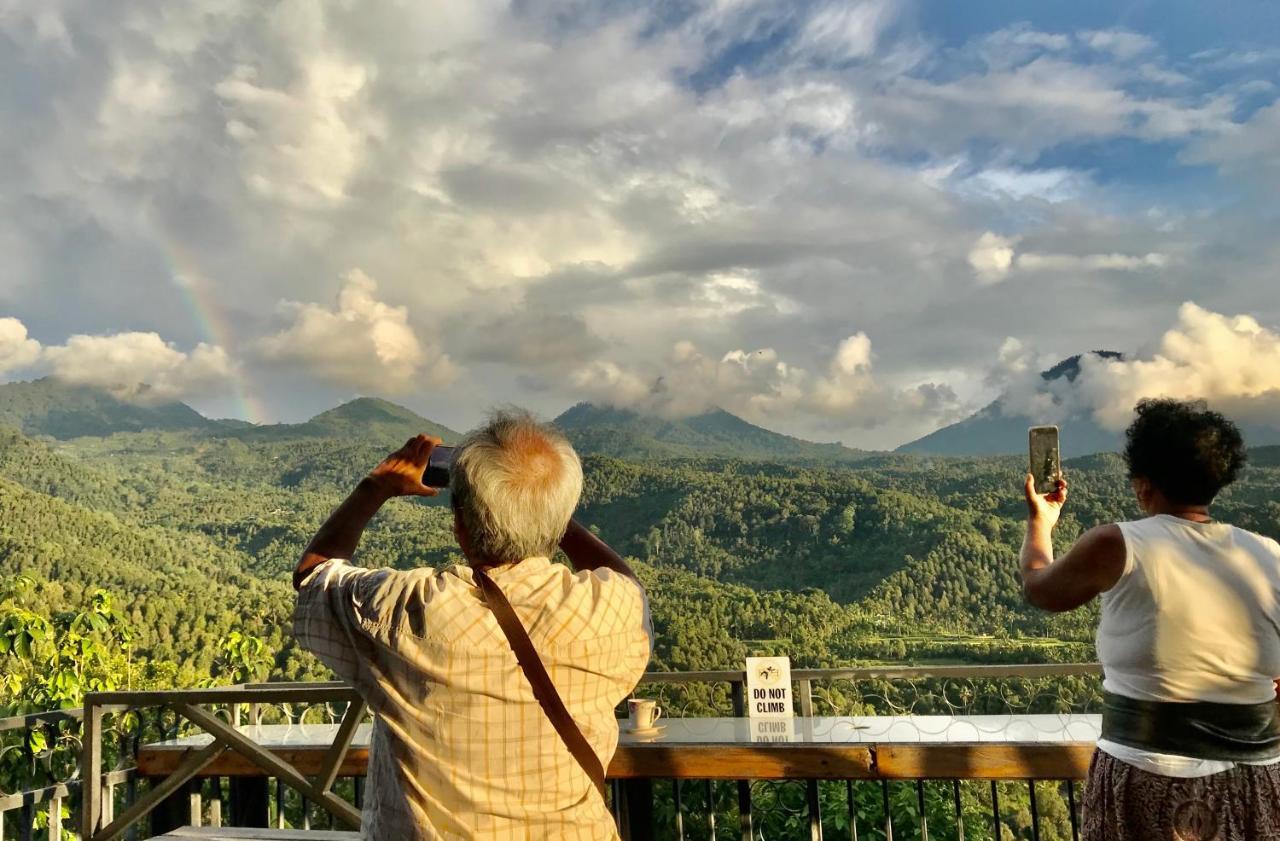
(1045, 508)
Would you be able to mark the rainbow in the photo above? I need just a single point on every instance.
(196, 289)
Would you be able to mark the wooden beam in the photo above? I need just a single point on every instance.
(308, 761)
(271, 763)
(193, 763)
(892, 761)
(736, 762)
(341, 744)
(281, 693)
(228, 833)
(984, 761)
(717, 762)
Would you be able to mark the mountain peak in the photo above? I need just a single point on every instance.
(990, 431)
(626, 433)
(368, 417)
(61, 410)
(1070, 367)
(371, 409)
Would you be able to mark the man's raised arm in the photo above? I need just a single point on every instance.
(588, 552)
(399, 474)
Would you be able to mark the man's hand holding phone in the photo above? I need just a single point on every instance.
(400, 474)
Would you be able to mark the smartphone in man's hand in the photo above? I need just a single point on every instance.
(437, 473)
(1046, 459)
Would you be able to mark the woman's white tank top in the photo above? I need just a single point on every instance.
(1195, 615)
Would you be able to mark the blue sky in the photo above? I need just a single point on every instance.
(845, 220)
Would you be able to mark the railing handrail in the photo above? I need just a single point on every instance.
(268, 693)
(23, 722)
(993, 671)
(322, 691)
(187, 703)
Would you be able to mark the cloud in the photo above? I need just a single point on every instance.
(1051, 185)
(994, 257)
(840, 31)
(1120, 43)
(688, 382)
(1029, 95)
(1232, 362)
(301, 144)
(549, 341)
(17, 350)
(760, 385)
(1250, 149)
(360, 342)
(134, 366)
(1032, 261)
(139, 366)
(991, 257)
(549, 191)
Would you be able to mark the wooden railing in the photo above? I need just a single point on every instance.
(109, 799)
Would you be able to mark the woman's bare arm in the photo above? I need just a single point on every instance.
(1091, 566)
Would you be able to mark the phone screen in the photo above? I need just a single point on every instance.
(437, 473)
(1046, 460)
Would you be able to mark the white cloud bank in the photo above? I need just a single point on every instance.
(993, 258)
(17, 350)
(361, 342)
(300, 145)
(759, 385)
(139, 366)
(1231, 362)
(733, 173)
(135, 366)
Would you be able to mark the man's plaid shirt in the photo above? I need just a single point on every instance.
(461, 748)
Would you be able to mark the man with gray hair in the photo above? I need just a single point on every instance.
(494, 684)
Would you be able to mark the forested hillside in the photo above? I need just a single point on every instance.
(890, 558)
(161, 556)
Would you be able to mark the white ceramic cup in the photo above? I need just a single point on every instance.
(643, 713)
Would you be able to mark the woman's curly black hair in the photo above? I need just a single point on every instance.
(1184, 449)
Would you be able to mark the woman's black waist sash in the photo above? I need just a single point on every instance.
(1203, 730)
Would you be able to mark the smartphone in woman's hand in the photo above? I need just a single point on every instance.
(1046, 459)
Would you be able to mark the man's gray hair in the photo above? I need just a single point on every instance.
(515, 484)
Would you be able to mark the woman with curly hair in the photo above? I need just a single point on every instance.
(1189, 639)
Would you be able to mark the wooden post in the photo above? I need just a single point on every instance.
(26, 830)
(91, 768)
(170, 813)
(195, 804)
(250, 802)
(744, 786)
(55, 819)
(638, 795)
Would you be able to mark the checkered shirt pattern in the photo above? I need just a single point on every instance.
(461, 749)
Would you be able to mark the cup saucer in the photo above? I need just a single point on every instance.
(652, 730)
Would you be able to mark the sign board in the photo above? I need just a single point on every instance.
(769, 693)
(773, 729)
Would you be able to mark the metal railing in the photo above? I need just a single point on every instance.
(938, 807)
(78, 769)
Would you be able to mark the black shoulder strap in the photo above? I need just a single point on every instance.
(543, 689)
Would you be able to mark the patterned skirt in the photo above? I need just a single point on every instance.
(1123, 803)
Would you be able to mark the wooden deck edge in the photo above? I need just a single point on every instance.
(983, 761)
(764, 761)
